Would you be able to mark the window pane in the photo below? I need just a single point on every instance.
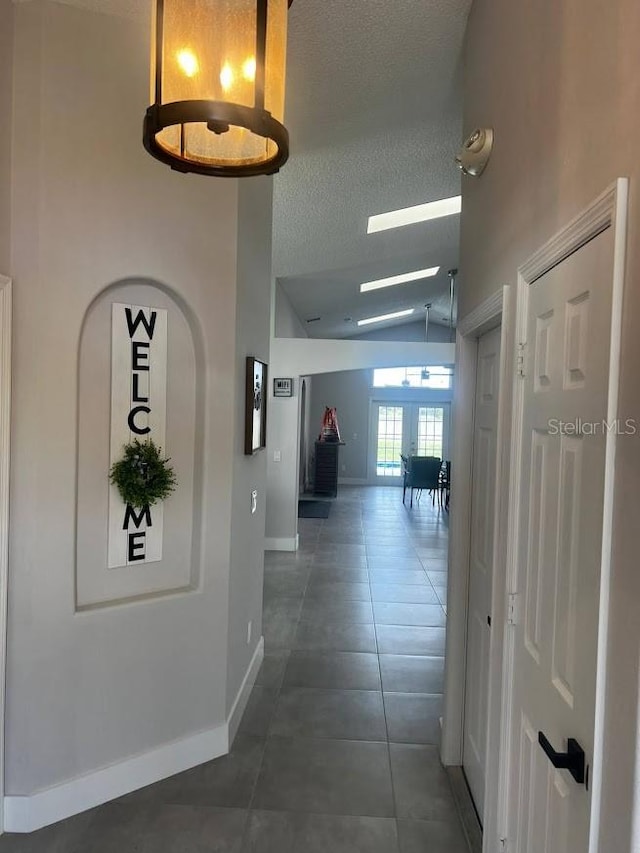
(389, 441)
(437, 377)
(430, 431)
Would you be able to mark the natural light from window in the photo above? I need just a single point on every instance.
(435, 377)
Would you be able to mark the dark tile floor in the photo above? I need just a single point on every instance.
(337, 750)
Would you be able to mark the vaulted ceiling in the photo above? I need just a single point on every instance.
(375, 117)
(374, 111)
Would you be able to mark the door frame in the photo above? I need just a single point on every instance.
(494, 311)
(609, 210)
(447, 440)
(373, 479)
(5, 425)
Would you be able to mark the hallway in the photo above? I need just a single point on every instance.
(337, 749)
(352, 682)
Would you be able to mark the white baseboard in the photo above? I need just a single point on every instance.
(28, 813)
(32, 812)
(352, 481)
(234, 716)
(281, 544)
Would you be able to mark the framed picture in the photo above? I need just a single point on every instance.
(255, 434)
(283, 387)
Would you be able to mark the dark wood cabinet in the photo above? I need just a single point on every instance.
(325, 480)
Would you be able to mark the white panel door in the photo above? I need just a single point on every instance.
(485, 430)
(560, 522)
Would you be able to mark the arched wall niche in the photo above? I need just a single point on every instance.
(179, 569)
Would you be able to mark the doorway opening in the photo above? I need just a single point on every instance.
(303, 477)
(406, 429)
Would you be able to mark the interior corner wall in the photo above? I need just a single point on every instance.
(89, 689)
(287, 324)
(6, 106)
(566, 126)
(253, 309)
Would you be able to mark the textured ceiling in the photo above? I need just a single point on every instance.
(374, 112)
(137, 9)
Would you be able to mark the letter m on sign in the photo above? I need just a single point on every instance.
(137, 519)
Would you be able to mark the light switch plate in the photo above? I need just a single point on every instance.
(254, 501)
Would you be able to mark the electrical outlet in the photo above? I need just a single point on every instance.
(249, 630)
(254, 501)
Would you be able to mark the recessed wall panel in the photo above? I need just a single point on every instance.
(535, 569)
(172, 561)
(566, 567)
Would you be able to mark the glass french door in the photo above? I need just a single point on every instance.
(413, 429)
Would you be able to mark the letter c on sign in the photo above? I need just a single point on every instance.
(131, 420)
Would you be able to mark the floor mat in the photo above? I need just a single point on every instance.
(314, 509)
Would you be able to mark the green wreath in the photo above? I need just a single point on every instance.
(142, 476)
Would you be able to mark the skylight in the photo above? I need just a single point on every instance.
(412, 215)
(382, 317)
(398, 279)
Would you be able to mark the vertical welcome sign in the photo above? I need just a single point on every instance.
(138, 410)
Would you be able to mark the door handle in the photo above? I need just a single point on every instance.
(571, 760)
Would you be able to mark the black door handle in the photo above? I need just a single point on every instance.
(571, 760)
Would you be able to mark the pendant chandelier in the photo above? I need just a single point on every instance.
(218, 75)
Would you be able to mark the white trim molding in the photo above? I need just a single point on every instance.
(484, 317)
(234, 717)
(42, 808)
(493, 312)
(5, 426)
(609, 210)
(282, 544)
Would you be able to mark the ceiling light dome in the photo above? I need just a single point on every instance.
(218, 78)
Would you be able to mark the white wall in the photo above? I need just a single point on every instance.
(306, 439)
(408, 332)
(283, 428)
(558, 80)
(287, 324)
(250, 472)
(6, 75)
(295, 358)
(318, 355)
(348, 391)
(90, 207)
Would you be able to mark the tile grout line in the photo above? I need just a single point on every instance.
(250, 808)
(322, 543)
(386, 722)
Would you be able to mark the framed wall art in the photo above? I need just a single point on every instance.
(255, 434)
(283, 387)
